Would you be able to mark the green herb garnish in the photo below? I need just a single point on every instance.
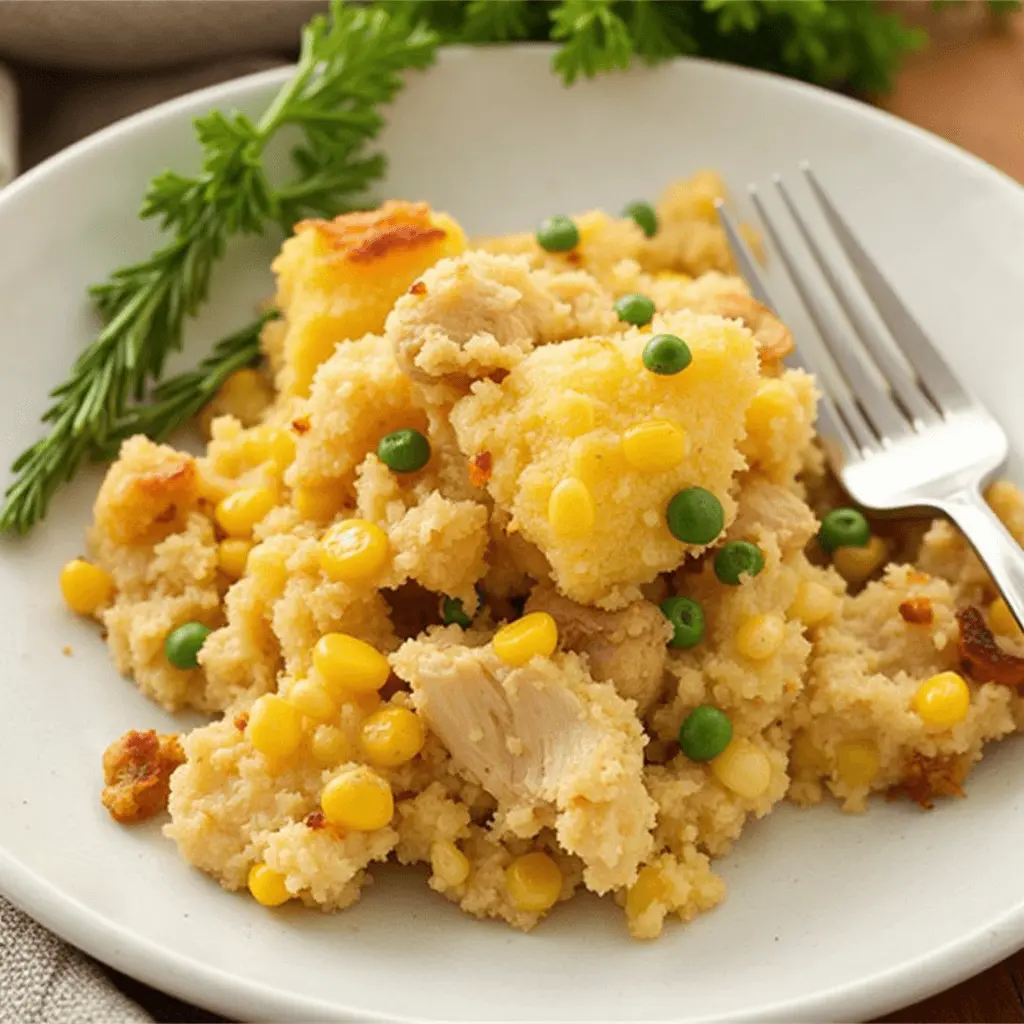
(351, 63)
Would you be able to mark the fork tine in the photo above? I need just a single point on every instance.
(875, 412)
(906, 389)
(831, 424)
(934, 375)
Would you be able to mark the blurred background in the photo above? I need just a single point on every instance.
(76, 65)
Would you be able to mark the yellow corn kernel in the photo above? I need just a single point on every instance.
(281, 447)
(244, 395)
(267, 886)
(744, 768)
(210, 486)
(391, 737)
(943, 700)
(772, 406)
(354, 550)
(534, 882)
(534, 635)
(311, 699)
(316, 503)
(232, 554)
(86, 587)
(571, 509)
(275, 727)
(648, 888)
(575, 413)
(348, 666)
(814, 603)
(367, 703)
(655, 446)
(239, 512)
(855, 565)
(760, 636)
(857, 763)
(269, 444)
(330, 746)
(359, 799)
(1001, 620)
(448, 863)
(267, 567)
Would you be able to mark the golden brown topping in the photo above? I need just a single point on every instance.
(480, 467)
(916, 576)
(417, 288)
(315, 820)
(301, 424)
(137, 771)
(373, 235)
(925, 778)
(917, 611)
(983, 659)
(772, 336)
(148, 493)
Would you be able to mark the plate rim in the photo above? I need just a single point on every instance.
(73, 921)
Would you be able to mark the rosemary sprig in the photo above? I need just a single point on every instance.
(351, 63)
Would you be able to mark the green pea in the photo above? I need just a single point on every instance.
(738, 558)
(687, 618)
(558, 234)
(454, 614)
(404, 451)
(183, 644)
(695, 516)
(643, 213)
(844, 528)
(635, 309)
(705, 733)
(665, 354)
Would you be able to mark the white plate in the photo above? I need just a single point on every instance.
(828, 916)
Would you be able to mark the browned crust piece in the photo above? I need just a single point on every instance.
(137, 771)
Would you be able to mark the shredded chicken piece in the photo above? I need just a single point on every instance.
(479, 315)
(983, 658)
(626, 648)
(552, 746)
(137, 771)
(771, 510)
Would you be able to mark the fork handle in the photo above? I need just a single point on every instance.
(993, 543)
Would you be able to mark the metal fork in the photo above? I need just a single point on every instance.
(901, 432)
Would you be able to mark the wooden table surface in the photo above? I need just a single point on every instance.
(968, 87)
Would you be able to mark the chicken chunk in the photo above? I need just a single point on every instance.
(551, 745)
(625, 648)
(766, 509)
(137, 771)
(481, 314)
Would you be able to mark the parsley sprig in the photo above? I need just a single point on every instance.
(351, 63)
